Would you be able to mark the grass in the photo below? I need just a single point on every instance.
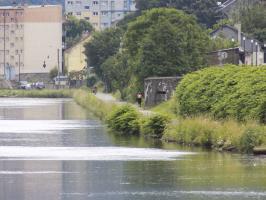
(88, 100)
(37, 93)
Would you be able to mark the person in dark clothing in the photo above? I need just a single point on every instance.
(139, 99)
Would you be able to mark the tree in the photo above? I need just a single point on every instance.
(165, 42)
(102, 45)
(116, 72)
(253, 20)
(74, 28)
(206, 11)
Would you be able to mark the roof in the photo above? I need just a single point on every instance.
(224, 26)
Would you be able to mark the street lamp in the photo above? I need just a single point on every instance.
(252, 43)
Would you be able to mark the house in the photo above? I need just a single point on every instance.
(100, 13)
(74, 57)
(30, 42)
(254, 52)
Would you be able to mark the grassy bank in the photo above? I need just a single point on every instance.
(88, 100)
(227, 135)
(37, 93)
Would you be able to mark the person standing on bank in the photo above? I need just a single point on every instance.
(139, 99)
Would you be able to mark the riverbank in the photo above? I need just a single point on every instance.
(165, 124)
(37, 93)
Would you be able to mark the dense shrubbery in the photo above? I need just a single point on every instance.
(154, 125)
(224, 92)
(124, 120)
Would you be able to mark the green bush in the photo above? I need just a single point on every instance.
(251, 138)
(154, 125)
(224, 92)
(124, 120)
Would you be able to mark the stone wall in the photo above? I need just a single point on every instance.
(159, 89)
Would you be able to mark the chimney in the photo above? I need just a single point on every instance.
(238, 27)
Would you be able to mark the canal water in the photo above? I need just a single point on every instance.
(51, 149)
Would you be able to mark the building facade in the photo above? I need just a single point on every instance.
(100, 13)
(30, 42)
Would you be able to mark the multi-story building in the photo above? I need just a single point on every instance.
(30, 41)
(100, 13)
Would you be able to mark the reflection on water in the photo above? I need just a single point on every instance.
(52, 149)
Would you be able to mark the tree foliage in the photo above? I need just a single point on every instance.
(227, 92)
(253, 20)
(165, 42)
(206, 11)
(74, 28)
(102, 45)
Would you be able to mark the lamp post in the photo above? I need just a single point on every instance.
(252, 42)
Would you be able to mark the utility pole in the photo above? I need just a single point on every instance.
(58, 74)
(19, 67)
(4, 44)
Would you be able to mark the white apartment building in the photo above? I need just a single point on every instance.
(30, 41)
(100, 13)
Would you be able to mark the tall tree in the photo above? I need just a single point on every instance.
(165, 42)
(102, 45)
(74, 28)
(206, 11)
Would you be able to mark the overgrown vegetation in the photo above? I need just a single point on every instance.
(227, 92)
(228, 135)
(124, 120)
(154, 125)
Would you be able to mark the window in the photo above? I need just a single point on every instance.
(95, 2)
(87, 18)
(78, 13)
(104, 13)
(87, 7)
(104, 3)
(95, 13)
(78, 2)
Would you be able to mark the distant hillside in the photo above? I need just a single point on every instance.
(30, 2)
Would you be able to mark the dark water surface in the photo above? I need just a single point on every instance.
(52, 149)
